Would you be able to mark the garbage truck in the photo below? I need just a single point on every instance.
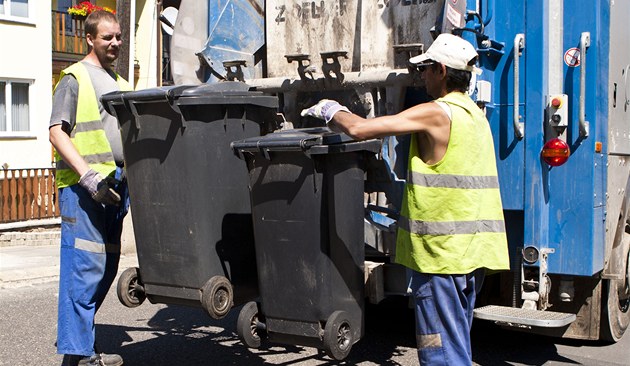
(555, 89)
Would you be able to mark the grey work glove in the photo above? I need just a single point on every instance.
(101, 189)
(325, 110)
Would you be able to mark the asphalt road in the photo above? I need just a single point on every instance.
(168, 335)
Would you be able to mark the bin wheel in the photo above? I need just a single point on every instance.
(338, 335)
(217, 296)
(130, 289)
(249, 327)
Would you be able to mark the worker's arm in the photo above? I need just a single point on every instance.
(426, 117)
(64, 146)
(101, 189)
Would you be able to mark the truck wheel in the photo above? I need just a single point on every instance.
(217, 296)
(130, 289)
(338, 336)
(616, 315)
(249, 328)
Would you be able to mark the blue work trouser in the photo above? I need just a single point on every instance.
(90, 252)
(444, 312)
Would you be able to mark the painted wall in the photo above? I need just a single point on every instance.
(146, 50)
(30, 59)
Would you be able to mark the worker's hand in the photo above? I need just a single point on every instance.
(325, 110)
(101, 189)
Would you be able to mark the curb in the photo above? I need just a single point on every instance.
(16, 278)
(38, 238)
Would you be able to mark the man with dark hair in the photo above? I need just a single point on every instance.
(451, 224)
(93, 196)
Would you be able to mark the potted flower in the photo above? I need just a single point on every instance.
(83, 9)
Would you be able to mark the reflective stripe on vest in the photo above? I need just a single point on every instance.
(88, 135)
(452, 218)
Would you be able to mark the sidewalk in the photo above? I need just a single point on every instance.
(31, 256)
(32, 264)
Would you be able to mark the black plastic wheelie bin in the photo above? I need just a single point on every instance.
(307, 193)
(189, 196)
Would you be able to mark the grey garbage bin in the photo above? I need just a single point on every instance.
(307, 193)
(189, 197)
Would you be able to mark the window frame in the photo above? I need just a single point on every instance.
(70, 29)
(8, 103)
(6, 15)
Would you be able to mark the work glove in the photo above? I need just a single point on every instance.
(325, 110)
(101, 189)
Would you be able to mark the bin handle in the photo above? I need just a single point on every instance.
(585, 42)
(519, 44)
(136, 115)
(111, 110)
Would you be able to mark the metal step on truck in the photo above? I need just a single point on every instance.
(555, 89)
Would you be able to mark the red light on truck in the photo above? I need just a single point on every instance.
(555, 152)
(556, 102)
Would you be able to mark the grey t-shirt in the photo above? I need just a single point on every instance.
(64, 108)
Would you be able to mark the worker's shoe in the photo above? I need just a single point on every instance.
(101, 359)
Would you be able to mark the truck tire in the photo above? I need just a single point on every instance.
(130, 289)
(616, 309)
(217, 297)
(338, 336)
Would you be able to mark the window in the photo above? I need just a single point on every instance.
(62, 7)
(14, 107)
(15, 9)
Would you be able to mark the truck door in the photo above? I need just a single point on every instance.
(503, 23)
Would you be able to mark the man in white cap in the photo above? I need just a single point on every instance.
(451, 225)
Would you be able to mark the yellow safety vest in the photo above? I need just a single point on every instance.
(88, 135)
(451, 219)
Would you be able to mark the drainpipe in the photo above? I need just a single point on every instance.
(158, 42)
(132, 41)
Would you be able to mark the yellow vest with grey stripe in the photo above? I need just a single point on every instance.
(451, 219)
(88, 135)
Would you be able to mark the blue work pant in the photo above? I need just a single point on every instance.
(444, 312)
(90, 252)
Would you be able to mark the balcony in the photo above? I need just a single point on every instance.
(68, 37)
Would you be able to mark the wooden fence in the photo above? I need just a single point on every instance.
(27, 194)
(68, 34)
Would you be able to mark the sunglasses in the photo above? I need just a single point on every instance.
(424, 66)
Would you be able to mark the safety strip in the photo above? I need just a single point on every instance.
(453, 181)
(86, 127)
(451, 227)
(90, 159)
(93, 247)
(428, 340)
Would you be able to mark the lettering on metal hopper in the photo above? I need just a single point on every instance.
(416, 2)
(311, 10)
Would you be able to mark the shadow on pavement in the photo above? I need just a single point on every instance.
(515, 347)
(187, 336)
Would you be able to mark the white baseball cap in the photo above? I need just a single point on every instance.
(451, 51)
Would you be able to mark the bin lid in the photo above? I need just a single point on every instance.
(227, 92)
(129, 99)
(110, 99)
(318, 140)
(162, 93)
